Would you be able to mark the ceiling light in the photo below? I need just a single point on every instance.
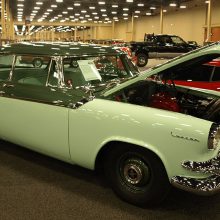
(114, 6)
(77, 4)
(94, 13)
(148, 13)
(103, 10)
(164, 10)
(65, 12)
(129, 1)
(114, 12)
(20, 5)
(172, 4)
(92, 7)
(182, 6)
(53, 6)
(152, 8)
(137, 12)
(70, 8)
(125, 9)
(50, 10)
(39, 3)
(140, 5)
(125, 14)
(59, 0)
(101, 3)
(37, 8)
(83, 11)
(136, 16)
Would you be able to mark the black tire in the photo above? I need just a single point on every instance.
(37, 63)
(142, 59)
(136, 175)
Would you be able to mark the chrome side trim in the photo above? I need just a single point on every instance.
(211, 166)
(201, 186)
(206, 186)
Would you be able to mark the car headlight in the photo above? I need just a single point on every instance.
(214, 136)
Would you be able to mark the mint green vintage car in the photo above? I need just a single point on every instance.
(87, 105)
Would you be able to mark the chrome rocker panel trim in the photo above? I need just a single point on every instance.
(204, 186)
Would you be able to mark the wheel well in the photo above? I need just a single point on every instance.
(106, 149)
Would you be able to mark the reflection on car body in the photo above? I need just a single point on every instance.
(143, 133)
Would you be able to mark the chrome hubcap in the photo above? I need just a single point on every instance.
(133, 174)
(136, 172)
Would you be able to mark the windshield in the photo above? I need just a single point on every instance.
(177, 40)
(81, 71)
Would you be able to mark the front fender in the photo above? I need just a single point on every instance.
(174, 137)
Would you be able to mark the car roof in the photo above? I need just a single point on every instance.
(58, 49)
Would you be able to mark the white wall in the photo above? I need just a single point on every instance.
(187, 23)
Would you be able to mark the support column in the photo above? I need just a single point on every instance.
(97, 32)
(94, 32)
(3, 20)
(113, 29)
(132, 27)
(12, 30)
(83, 34)
(7, 20)
(161, 20)
(75, 33)
(52, 34)
(209, 21)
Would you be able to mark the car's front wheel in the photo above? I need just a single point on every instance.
(137, 175)
(142, 59)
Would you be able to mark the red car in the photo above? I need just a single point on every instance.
(206, 76)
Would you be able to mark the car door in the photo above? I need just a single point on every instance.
(165, 47)
(34, 115)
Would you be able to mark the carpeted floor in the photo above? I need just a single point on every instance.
(33, 186)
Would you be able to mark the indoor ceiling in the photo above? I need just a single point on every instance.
(91, 10)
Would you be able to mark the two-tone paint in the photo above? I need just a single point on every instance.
(49, 121)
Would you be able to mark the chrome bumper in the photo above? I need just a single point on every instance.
(205, 186)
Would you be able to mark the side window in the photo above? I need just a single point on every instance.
(195, 73)
(31, 70)
(216, 76)
(98, 69)
(53, 74)
(5, 66)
